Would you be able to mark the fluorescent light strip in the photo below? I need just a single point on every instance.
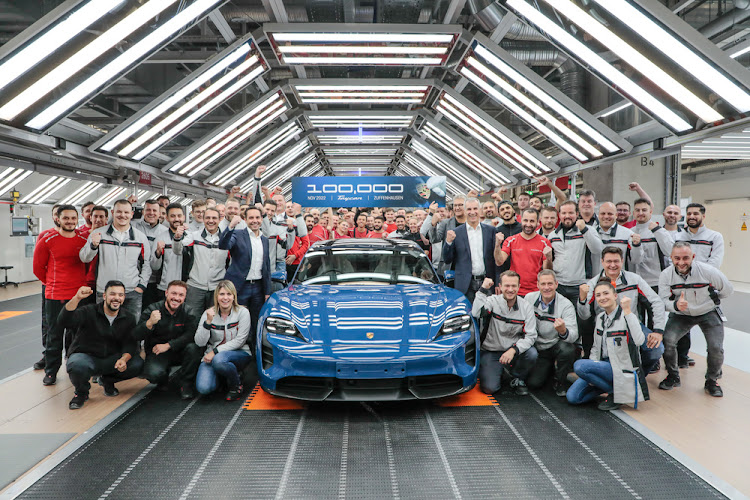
(362, 37)
(360, 94)
(360, 123)
(678, 52)
(475, 121)
(618, 108)
(175, 98)
(636, 60)
(12, 177)
(459, 151)
(258, 153)
(284, 159)
(45, 190)
(361, 49)
(228, 143)
(310, 170)
(356, 161)
(428, 155)
(219, 140)
(81, 193)
(362, 88)
(402, 61)
(121, 63)
(194, 116)
(599, 64)
(78, 61)
(291, 172)
(186, 202)
(174, 198)
(424, 170)
(57, 36)
(110, 196)
(142, 194)
(343, 151)
(359, 139)
(547, 99)
(331, 100)
(521, 112)
(496, 146)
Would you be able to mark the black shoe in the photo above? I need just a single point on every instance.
(683, 363)
(608, 404)
(669, 383)
(656, 367)
(77, 401)
(110, 389)
(560, 390)
(690, 361)
(187, 392)
(713, 389)
(40, 365)
(49, 379)
(162, 387)
(519, 387)
(235, 393)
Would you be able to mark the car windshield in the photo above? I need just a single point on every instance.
(339, 266)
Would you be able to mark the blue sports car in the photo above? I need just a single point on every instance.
(364, 320)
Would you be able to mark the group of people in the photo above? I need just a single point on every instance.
(589, 301)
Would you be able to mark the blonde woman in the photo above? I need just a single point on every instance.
(223, 329)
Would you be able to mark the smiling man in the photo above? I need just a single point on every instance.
(103, 342)
(154, 231)
(168, 328)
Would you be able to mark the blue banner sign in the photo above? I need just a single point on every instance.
(368, 191)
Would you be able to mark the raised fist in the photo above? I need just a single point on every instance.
(636, 239)
(433, 207)
(581, 224)
(277, 190)
(625, 303)
(296, 209)
(235, 220)
(259, 171)
(543, 180)
(155, 317)
(235, 190)
(560, 326)
(180, 232)
(290, 223)
(133, 199)
(450, 236)
(473, 193)
(682, 304)
(160, 247)
(499, 238)
(487, 283)
(497, 196)
(583, 292)
(96, 238)
(547, 252)
(652, 225)
(83, 292)
(633, 186)
(210, 313)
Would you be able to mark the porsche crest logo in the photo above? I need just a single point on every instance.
(370, 335)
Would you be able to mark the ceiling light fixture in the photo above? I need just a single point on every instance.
(605, 69)
(253, 156)
(196, 88)
(229, 135)
(45, 190)
(110, 196)
(117, 66)
(426, 152)
(377, 91)
(81, 194)
(11, 177)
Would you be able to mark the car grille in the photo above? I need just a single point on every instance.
(266, 353)
(387, 389)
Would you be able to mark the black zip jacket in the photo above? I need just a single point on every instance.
(176, 329)
(93, 335)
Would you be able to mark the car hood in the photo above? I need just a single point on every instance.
(374, 313)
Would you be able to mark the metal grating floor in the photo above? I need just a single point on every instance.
(532, 447)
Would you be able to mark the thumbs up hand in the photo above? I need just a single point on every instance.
(682, 304)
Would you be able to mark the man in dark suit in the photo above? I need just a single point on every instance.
(470, 249)
(249, 269)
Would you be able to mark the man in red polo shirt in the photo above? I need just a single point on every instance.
(85, 228)
(527, 250)
(39, 365)
(360, 231)
(57, 264)
(378, 228)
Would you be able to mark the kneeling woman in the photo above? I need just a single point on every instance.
(614, 365)
(223, 329)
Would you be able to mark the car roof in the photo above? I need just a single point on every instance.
(365, 244)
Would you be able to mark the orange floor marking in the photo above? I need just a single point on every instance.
(261, 400)
(474, 397)
(12, 314)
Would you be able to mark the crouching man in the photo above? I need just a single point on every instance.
(102, 344)
(557, 331)
(168, 328)
(509, 344)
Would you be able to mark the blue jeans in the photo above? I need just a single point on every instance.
(650, 356)
(594, 378)
(491, 370)
(226, 364)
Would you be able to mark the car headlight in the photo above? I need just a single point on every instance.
(281, 326)
(456, 324)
